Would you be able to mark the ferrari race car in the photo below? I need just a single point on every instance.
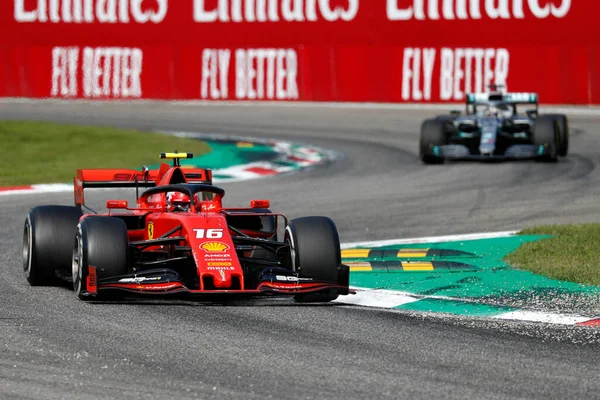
(179, 240)
(492, 128)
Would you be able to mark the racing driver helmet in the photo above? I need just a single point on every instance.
(504, 110)
(177, 201)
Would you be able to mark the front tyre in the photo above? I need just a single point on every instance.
(546, 137)
(315, 253)
(47, 242)
(100, 242)
(563, 133)
(433, 135)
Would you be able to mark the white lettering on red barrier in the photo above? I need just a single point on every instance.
(90, 11)
(462, 70)
(412, 67)
(112, 72)
(215, 74)
(65, 61)
(259, 74)
(458, 9)
(108, 72)
(266, 73)
(273, 10)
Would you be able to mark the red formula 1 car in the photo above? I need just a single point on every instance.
(178, 239)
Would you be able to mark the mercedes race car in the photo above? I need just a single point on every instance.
(179, 240)
(493, 128)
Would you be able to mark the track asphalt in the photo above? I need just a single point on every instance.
(55, 346)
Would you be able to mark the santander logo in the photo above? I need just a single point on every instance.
(403, 10)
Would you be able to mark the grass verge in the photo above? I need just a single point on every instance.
(570, 255)
(41, 152)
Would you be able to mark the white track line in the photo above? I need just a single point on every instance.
(39, 189)
(377, 298)
(544, 317)
(383, 298)
(431, 239)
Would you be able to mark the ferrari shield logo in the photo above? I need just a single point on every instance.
(150, 230)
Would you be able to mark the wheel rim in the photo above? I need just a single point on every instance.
(76, 263)
(27, 239)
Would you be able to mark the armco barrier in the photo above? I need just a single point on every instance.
(317, 50)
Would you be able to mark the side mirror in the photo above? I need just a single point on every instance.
(112, 204)
(260, 204)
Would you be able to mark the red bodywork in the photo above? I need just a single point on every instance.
(203, 231)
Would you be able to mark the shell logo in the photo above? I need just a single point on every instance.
(214, 247)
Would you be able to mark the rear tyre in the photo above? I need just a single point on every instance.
(546, 134)
(100, 242)
(315, 253)
(433, 134)
(563, 133)
(47, 242)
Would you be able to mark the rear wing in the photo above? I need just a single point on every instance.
(146, 178)
(514, 98)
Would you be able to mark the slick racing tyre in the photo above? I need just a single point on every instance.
(433, 133)
(47, 242)
(100, 242)
(315, 252)
(563, 133)
(546, 134)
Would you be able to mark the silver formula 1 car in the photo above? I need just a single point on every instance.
(492, 128)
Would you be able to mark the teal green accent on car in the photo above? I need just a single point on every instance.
(541, 150)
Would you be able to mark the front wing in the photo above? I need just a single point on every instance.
(167, 282)
(515, 152)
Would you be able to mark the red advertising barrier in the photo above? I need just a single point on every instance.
(313, 50)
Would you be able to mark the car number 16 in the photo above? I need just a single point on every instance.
(215, 233)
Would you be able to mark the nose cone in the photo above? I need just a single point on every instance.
(222, 279)
(215, 254)
(487, 145)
